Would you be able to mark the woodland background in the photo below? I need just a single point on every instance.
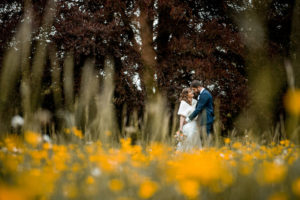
(226, 44)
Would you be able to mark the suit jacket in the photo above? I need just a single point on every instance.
(204, 108)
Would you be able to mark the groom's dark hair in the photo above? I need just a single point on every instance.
(196, 84)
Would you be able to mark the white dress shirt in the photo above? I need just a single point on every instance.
(200, 93)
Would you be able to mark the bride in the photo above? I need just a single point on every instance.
(189, 130)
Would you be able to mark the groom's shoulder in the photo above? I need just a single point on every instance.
(206, 91)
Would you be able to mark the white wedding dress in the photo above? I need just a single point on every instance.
(190, 130)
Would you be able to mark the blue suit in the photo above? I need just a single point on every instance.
(205, 110)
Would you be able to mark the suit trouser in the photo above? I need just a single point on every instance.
(207, 128)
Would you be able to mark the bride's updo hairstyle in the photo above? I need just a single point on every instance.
(184, 95)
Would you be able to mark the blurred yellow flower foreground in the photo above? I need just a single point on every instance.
(33, 169)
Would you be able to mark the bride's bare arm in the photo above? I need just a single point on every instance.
(182, 120)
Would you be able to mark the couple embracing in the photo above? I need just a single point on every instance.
(196, 116)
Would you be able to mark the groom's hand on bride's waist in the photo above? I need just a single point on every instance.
(187, 120)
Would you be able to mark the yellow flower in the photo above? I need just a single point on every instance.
(47, 146)
(263, 148)
(139, 159)
(90, 180)
(116, 185)
(237, 145)
(189, 188)
(38, 182)
(285, 142)
(9, 193)
(37, 156)
(278, 196)
(271, 173)
(296, 187)
(292, 101)
(12, 142)
(126, 144)
(227, 140)
(207, 167)
(77, 132)
(60, 157)
(158, 151)
(32, 138)
(147, 189)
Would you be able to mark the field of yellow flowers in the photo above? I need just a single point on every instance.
(36, 167)
(31, 168)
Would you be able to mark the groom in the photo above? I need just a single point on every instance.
(204, 107)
